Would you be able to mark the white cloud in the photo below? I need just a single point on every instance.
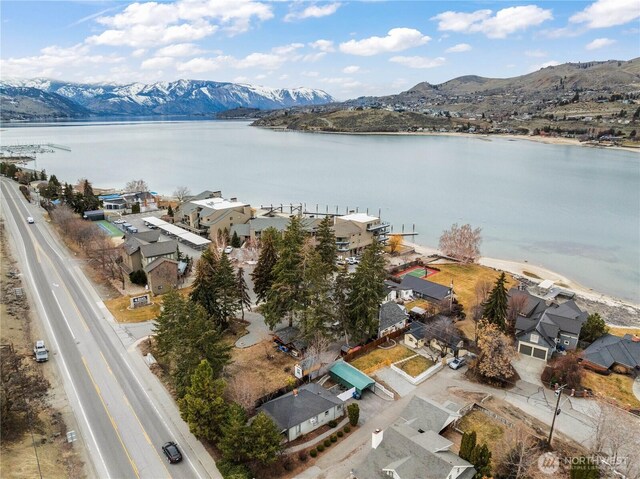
(138, 53)
(241, 79)
(283, 77)
(157, 63)
(536, 53)
(460, 47)
(313, 11)
(608, 13)
(54, 61)
(310, 74)
(287, 49)
(397, 39)
(202, 65)
(351, 69)
(313, 57)
(323, 45)
(503, 23)
(267, 61)
(179, 50)
(599, 43)
(262, 76)
(152, 23)
(418, 62)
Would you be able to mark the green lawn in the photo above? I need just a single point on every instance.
(110, 228)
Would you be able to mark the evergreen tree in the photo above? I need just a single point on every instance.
(43, 175)
(467, 445)
(340, 298)
(69, 195)
(318, 312)
(481, 460)
(233, 441)
(226, 289)
(243, 291)
(263, 273)
(90, 201)
(170, 211)
(496, 307)
(286, 296)
(235, 240)
(593, 328)
(169, 324)
(203, 406)
(367, 291)
(264, 439)
(327, 248)
(204, 291)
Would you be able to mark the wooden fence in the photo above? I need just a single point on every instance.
(374, 344)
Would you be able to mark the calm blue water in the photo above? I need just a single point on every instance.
(573, 210)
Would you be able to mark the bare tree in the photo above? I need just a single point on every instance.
(317, 346)
(496, 353)
(136, 186)
(181, 193)
(518, 452)
(444, 332)
(515, 306)
(245, 390)
(461, 243)
(482, 290)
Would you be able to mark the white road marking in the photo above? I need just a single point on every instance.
(63, 315)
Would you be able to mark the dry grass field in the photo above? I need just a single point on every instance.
(415, 366)
(380, 358)
(613, 387)
(119, 308)
(487, 430)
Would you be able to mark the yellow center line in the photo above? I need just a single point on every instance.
(113, 423)
(105, 361)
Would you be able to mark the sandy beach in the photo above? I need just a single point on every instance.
(617, 311)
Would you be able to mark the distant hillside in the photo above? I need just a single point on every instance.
(573, 97)
(182, 97)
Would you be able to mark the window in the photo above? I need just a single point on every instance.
(326, 413)
(566, 342)
(534, 338)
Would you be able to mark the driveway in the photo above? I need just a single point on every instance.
(258, 330)
(530, 369)
(395, 381)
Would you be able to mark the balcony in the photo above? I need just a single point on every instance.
(378, 227)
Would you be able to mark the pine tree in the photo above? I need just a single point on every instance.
(467, 445)
(168, 325)
(203, 291)
(340, 298)
(286, 296)
(227, 294)
(318, 312)
(233, 438)
(481, 460)
(235, 240)
(264, 439)
(243, 291)
(367, 291)
(170, 211)
(203, 406)
(593, 328)
(496, 307)
(263, 273)
(327, 248)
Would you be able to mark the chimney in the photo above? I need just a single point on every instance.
(295, 393)
(376, 438)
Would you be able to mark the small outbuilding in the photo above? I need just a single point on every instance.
(93, 215)
(350, 377)
(162, 275)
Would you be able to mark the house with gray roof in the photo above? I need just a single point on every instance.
(412, 448)
(609, 351)
(392, 317)
(141, 249)
(424, 289)
(542, 329)
(303, 410)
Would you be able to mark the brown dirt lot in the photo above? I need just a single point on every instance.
(17, 458)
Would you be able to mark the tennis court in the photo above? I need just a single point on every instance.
(418, 272)
(109, 229)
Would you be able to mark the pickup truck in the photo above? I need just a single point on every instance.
(40, 352)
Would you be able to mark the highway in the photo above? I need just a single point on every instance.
(124, 416)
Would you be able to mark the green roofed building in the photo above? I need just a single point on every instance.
(350, 377)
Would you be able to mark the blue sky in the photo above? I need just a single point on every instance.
(347, 48)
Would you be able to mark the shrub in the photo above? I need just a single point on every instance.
(332, 423)
(327, 443)
(347, 429)
(334, 438)
(353, 410)
(320, 448)
(340, 433)
(233, 471)
(313, 453)
(302, 456)
(138, 277)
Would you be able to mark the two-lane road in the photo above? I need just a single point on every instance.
(122, 425)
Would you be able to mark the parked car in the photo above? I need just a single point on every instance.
(172, 452)
(228, 249)
(457, 363)
(30, 220)
(340, 262)
(353, 260)
(119, 222)
(40, 351)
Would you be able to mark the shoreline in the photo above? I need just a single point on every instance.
(518, 268)
(549, 140)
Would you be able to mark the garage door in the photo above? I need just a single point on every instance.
(524, 349)
(539, 353)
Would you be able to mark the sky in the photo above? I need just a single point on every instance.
(346, 48)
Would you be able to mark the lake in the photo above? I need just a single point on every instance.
(573, 210)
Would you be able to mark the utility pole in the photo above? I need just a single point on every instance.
(558, 393)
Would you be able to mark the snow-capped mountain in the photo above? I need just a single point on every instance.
(181, 97)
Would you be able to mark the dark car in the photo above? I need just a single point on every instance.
(172, 452)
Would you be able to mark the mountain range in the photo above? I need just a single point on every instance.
(43, 98)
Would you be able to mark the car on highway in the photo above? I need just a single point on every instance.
(40, 351)
(30, 220)
(228, 249)
(457, 363)
(172, 452)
